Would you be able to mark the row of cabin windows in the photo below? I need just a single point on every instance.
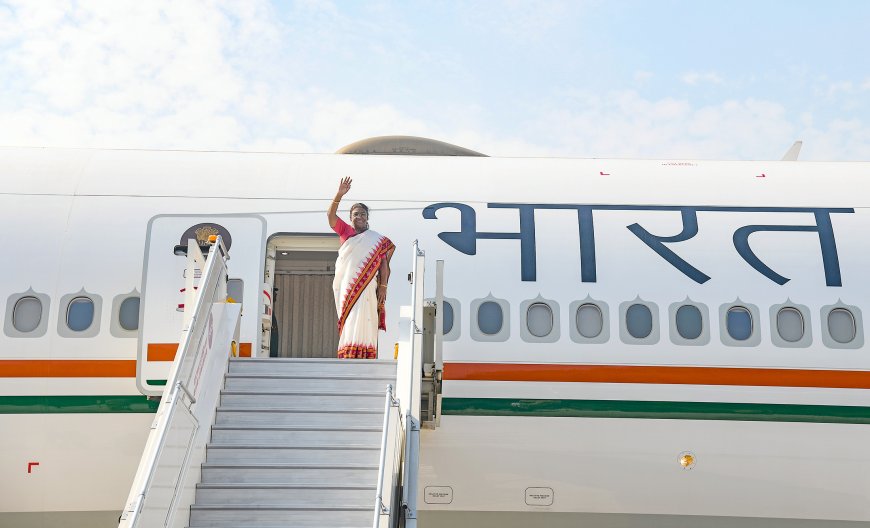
(79, 314)
(589, 319)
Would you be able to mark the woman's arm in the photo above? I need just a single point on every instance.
(343, 189)
(384, 277)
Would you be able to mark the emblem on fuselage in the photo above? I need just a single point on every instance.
(202, 232)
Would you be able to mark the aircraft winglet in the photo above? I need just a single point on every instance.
(792, 154)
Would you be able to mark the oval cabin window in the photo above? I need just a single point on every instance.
(128, 314)
(790, 324)
(841, 325)
(590, 321)
(638, 321)
(539, 319)
(447, 318)
(689, 322)
(739, 323)
(27, 314)
(80, 314)
(490, 318)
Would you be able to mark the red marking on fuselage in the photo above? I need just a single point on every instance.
(762, 175)
(602, 173)
(30, 466)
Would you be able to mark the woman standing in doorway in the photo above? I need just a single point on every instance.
(361, 275)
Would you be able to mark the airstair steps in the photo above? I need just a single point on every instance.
(348, 401)
(315, 367)
(258, 416)
(277, 516)
(296, 442)
(312, 455)
(233, 435)
(308, 474)
(286, 495)
(303, 383)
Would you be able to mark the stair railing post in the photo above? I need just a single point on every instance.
(380, 508)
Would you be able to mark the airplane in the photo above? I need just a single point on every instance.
(624, 342)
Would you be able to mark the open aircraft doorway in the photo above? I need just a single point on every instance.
(300, 269)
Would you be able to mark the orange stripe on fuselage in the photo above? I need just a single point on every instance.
(67, 368)
(167, 351)
(162, 351)
(755, 377)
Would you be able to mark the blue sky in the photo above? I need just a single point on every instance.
(657, 79)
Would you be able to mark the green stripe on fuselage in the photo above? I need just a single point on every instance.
(76, 404)
(660, 410)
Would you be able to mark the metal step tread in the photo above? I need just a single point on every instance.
(300, 410)
(333, 376)
(356, 428)
(282, 507)
(311, 360)
(243, 485)
(286, 465)
(280, 392)
(368, 447)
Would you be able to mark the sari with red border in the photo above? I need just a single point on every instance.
(359, 315)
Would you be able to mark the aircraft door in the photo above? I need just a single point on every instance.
(163, 282)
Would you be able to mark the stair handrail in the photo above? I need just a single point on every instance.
(380, 507)
(409, 374)
(212, 289)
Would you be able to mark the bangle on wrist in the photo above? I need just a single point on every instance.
(382, 285)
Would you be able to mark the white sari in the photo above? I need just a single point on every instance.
(356, 301)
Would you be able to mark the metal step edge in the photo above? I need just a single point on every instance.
(223, 485)
(285, 465)
(314, 360)
(285, 410)
(260, 392)
(350, 428)
(274, 507)
(340, 377)
(334, 447)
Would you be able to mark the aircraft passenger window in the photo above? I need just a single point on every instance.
(739, 323)
(80, 314)
(128, 314)
(490, 318)
(790, 324)
(590, 320)
(638, 321)
(236, 289)
(539, 319)
(27, 314)
(690, 323)
(447, 318)
(841, 325)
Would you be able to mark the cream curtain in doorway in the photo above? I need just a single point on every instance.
(305, 311)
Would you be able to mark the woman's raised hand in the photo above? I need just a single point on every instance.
(344, 186)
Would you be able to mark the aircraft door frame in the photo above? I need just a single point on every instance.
(163, 278)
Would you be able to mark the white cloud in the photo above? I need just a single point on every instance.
(696, 78)
(624, 124)
(214, 75)
(642, 76)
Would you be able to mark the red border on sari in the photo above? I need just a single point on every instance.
(364, 277)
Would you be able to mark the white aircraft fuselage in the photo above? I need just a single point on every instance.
(631, 341)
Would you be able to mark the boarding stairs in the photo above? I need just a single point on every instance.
(269, 442)
(295, 442)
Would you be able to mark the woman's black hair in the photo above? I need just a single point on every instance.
(359, 204)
